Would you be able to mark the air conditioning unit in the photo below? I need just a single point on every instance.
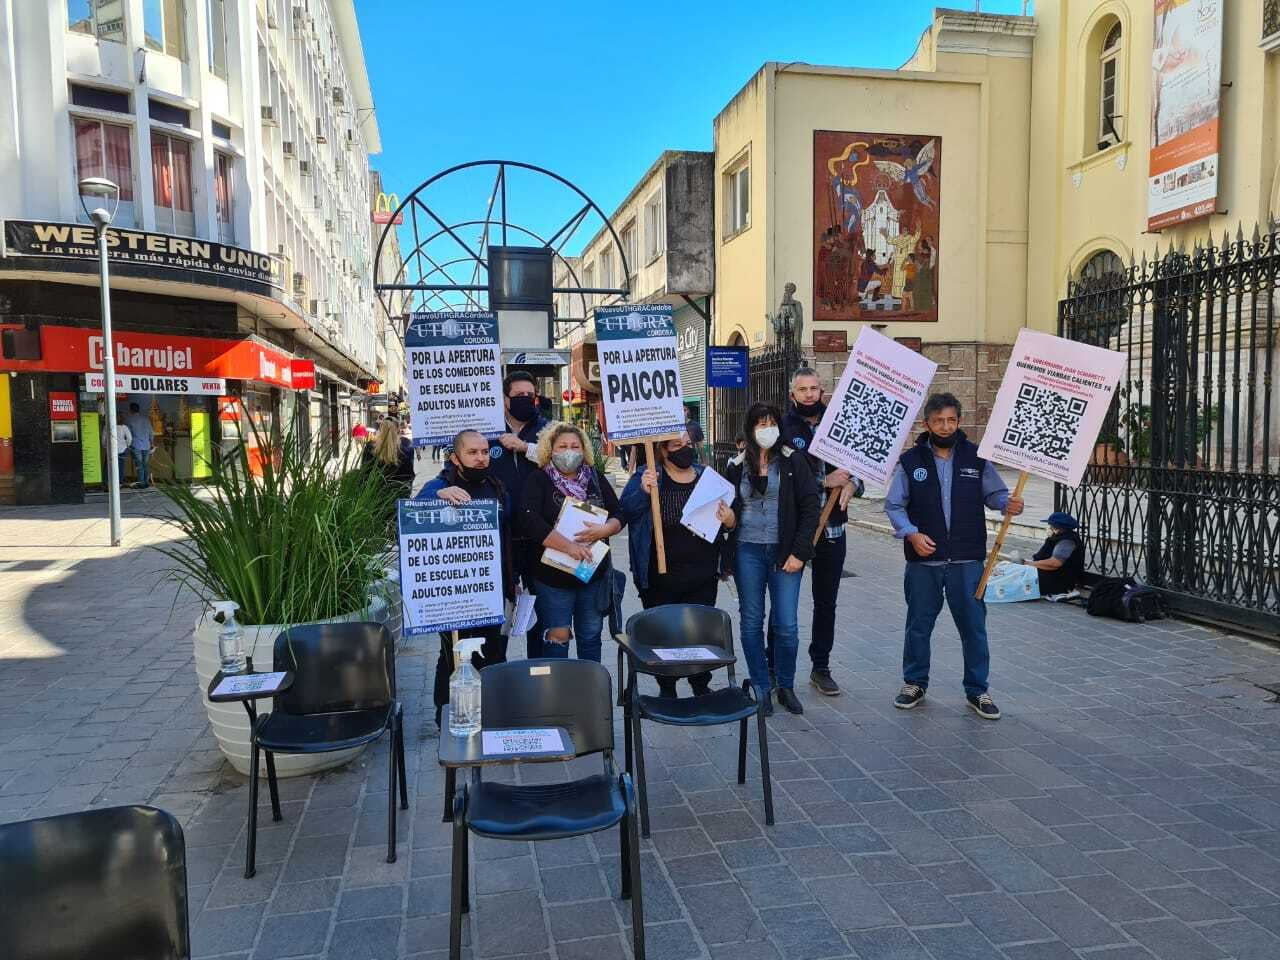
(304, 167)
(299, 283)
(320, 137)
(339, 97)
(269, 116)
(329, 226)
(287, 148)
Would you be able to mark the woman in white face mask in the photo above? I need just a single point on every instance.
(566, 606)
(777, 513)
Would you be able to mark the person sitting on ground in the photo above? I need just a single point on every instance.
(1060, 561)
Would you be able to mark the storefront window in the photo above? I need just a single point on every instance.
(171, 178)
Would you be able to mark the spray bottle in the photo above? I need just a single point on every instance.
(464, 689)
(230, 637)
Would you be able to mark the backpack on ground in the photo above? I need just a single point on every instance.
(1123, 598)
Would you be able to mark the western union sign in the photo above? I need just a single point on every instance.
(383, 207)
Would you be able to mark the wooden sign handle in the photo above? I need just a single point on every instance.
(652, 463)
(827, 510)
(1004, 531)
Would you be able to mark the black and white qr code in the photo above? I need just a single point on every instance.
(1044, 421)
(868, 422)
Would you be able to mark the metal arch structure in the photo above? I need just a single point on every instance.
(427, 266)
(443, 268)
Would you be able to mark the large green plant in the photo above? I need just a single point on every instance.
(305, 540)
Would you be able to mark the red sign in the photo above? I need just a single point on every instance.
(79, 350)
(304, 374)
(62, 405)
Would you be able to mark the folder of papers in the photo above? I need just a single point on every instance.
(576, 516)
(699, 515)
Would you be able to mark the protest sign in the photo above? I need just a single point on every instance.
(1050, 407)
(873, 407)
(450, 565)
(455, 376)
(640, 383)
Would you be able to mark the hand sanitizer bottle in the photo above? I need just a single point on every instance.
(230, 638)
(464, 689)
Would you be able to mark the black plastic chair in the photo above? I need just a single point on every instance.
(343, 696)
(578, 696)
(109, 883)
(686, 625)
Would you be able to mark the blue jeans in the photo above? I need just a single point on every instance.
(140, 461)
(582, 609)
(755, 570)
(924, 587)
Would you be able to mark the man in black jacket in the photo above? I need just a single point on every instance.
(803, 415)
(1060, 561)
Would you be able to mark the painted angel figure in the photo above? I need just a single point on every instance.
(849, 203)
(913, 173)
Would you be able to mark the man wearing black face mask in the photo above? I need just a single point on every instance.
(468, 476)
(803, 415)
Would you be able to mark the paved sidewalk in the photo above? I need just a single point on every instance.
(1126, 807)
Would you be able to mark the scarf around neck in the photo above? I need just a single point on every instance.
(574, 486)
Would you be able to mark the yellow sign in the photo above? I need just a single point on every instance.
(383, 207)
(90, 447)
(201, 448)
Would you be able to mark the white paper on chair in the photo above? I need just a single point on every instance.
(494, 742)
(239, 684)
(677, 654)
(699, 515)
(522, 619)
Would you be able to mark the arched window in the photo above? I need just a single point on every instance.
(1103, 264)
(1099, 299)
(1108, 84)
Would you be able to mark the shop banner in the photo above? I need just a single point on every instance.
(450, 565)
(639, 371)
(304, 374)
(873, 407)
(1186, 86)
(153, 255)
(62, 405)
(727, 366)
(131, 383)
(454, 375)
(1050, 407)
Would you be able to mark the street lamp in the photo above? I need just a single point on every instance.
(105, 190)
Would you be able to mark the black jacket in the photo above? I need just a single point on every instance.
(489, 488)
(797, 433)
(798, 505)
(539, 510)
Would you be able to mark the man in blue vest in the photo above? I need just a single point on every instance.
(935, 503)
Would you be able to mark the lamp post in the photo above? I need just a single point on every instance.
(104, 189)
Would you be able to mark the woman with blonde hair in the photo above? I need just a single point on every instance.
(389, 455)
(566, 606)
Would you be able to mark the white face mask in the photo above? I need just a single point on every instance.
(766, 437)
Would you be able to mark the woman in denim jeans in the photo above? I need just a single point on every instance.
(566, 606)
(777, 513)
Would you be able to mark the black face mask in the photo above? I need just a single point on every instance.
(681, 459)
(523, 408)
(808, 409)
(473, 474)
(944, 443)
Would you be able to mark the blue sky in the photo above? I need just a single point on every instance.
(594, 91)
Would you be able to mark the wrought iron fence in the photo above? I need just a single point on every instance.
(1270, 17)
(768, 381)
(1184, 489)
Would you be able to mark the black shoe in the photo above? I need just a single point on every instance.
(908, 696)
(821, 680)
(788, 700)
(984, 707)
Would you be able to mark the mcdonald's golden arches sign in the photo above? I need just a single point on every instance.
(384, 206)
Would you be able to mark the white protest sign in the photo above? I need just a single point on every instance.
(873, 407)
(450, 565)
(1050, 407)
(454, 370)
(536, 740)
(639, 371)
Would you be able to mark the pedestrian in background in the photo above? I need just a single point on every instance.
(124, 439)
(388, 455)
(567, 607)
(776, 512)
(936, 504)
(1060, 560)
(694, 565)
(141, 436)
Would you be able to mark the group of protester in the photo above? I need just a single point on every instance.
(768, 534)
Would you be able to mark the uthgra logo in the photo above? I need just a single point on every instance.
(634, 322)
(447, 516)
(450, 327)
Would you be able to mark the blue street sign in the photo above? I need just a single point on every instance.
(727, 366)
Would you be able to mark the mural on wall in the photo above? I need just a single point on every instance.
(876, 200)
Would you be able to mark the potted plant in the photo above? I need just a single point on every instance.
(296, 539)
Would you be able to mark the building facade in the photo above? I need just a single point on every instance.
(394, 305)
(238, 133)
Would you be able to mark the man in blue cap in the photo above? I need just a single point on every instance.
(1061, 559)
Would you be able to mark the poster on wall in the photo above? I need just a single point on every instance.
(1050, 407)
(1186, 87)
(876, 203)
(639, 371)
(450, 565)
(454, 376)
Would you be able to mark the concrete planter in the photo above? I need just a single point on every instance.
(229, 721)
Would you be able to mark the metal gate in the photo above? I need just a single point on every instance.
(1184, 489)
(768, 381)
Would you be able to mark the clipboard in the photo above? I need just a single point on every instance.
(574, 516)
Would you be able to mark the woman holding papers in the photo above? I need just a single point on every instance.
(570, 573)
(776, 506)
(694, 551)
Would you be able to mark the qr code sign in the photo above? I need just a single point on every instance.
(868, 422)
(1044, 421)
